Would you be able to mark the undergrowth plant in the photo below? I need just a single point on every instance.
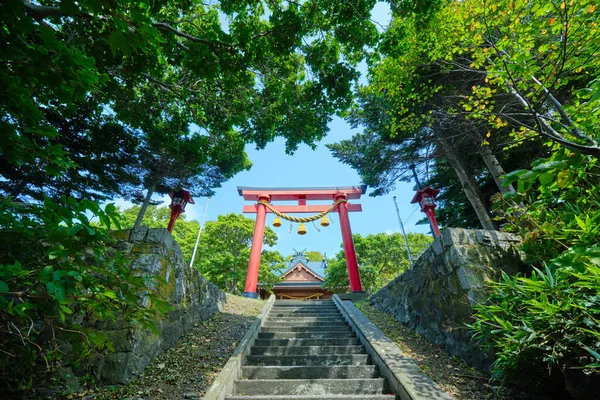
(60, 279)
(550, 318)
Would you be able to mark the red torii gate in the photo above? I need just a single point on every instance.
(268, 195)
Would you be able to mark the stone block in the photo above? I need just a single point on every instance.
(468, 278)
(138, 234)
(160, 236)
(122, 234)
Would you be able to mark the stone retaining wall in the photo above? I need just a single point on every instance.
(193, 298)
(435, 297)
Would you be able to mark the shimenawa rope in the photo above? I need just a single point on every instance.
(300, 219)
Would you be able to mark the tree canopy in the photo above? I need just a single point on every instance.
(166, 92)
(478, 88)
(381, 258)
(224, 251)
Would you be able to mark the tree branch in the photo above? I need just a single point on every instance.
(41, 12)
(565, 117)
(163, 26)
(36, 11)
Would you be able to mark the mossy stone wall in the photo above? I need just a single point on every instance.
(193, 298)
(435, 297)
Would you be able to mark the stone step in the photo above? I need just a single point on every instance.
(277, 324)
(308, 386)
(309, 308)
(275, 328)
(309, 372)
(307, 342)
(306, 335)
(328, 359)
(317, 397)
(302, 302)
(315, 309)
(306, 319)
(307, 350)
(304, 314)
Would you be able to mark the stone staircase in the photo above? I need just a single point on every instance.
(307, 351)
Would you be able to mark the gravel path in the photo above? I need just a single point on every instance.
(187, 370)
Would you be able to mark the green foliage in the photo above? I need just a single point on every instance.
(453, 79)
(311, 255)
(381, 257)
(224, 251)
(548, 319)
(557, 206)
(59, 278)
(183, 85)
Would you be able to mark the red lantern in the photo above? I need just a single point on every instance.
(426, 199)
(179, 199)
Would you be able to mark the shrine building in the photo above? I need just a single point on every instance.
(303, 279)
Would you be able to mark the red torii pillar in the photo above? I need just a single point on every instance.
(301, 195)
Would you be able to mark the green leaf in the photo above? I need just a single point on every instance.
(110, 208)
(564, 179)
(21, 308)
(110, 294)
(513, 176)
(3, 287)
(580, 223)
(74, 229)
(66, 309)
(75, 275)
(593, 353)
(548, 166)
(60, 292)
(547, 178)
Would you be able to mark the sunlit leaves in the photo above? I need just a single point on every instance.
(224, 251)
(381, 257)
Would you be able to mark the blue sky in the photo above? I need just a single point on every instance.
(273, 168)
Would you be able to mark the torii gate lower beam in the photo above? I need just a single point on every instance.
(301, 195)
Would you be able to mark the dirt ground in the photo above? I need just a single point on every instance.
(187, 370)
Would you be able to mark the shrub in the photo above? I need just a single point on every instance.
(59, 277)
(550, 318)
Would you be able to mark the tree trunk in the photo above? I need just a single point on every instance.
(496, 170)
(469, 185)
(140, 217)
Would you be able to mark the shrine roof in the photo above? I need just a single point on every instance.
(301, 284)
(308, 193)
(316, 267)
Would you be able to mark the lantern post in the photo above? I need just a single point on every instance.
(179, 199)
(426, 199)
